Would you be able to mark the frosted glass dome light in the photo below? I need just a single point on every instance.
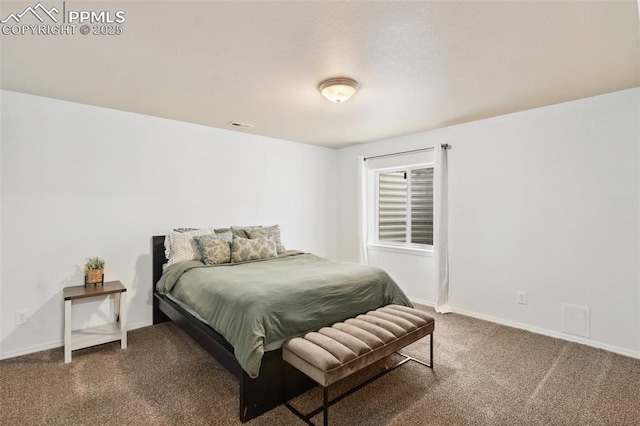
(338, 90)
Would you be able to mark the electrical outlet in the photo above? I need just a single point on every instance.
(22, 317)
(522, 297)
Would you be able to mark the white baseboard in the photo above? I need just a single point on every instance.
(58, 343)
(140, 325)
(537, 330)
(550, 333)
(422, 302)
(32, 349)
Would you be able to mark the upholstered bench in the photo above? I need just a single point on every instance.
(333, 353)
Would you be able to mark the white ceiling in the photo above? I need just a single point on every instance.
(421, 65)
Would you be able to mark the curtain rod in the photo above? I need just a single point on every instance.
(444, 145)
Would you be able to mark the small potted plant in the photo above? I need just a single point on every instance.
(94, 271)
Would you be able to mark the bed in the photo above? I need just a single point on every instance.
(254, 356)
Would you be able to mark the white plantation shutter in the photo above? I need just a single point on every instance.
(422, 206)
(392, 211)
(405, 206)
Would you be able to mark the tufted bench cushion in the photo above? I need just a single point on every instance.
(333, 353)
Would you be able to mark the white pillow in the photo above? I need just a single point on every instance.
(167, 242)
(183, 247)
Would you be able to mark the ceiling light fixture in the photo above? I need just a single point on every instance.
(338, 90)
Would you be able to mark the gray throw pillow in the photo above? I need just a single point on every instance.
(241, 231)
(269, 232)
(243, 250)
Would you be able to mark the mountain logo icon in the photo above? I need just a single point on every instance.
(38, 11)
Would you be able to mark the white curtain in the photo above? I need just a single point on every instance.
(362, 210)
(441, 238)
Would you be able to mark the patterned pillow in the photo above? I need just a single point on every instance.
(182, 246)
(269, 232)
(243, 249)
(241, 231)
(224, 236)
(214, 248)
(167, 241)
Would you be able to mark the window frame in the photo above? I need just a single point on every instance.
(374, 242)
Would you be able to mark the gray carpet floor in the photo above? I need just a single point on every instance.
(485, 374)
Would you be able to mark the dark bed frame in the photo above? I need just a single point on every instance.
(277, 381)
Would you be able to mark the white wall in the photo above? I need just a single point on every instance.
(81, 181)
(544, 201)
(412, 272)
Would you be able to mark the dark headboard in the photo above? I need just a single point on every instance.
(158, 258)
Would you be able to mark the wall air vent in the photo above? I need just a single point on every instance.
(575, 320)
(237, 124)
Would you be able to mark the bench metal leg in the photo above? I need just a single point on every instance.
(430, 363)
(326, 406)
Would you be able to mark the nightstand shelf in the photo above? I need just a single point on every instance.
(91, 336)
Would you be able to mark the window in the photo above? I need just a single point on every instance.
(397, 202)
(404, 210)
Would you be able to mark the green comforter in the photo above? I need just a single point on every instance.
(258, 303)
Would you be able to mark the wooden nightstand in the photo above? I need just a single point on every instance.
(86, 337)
